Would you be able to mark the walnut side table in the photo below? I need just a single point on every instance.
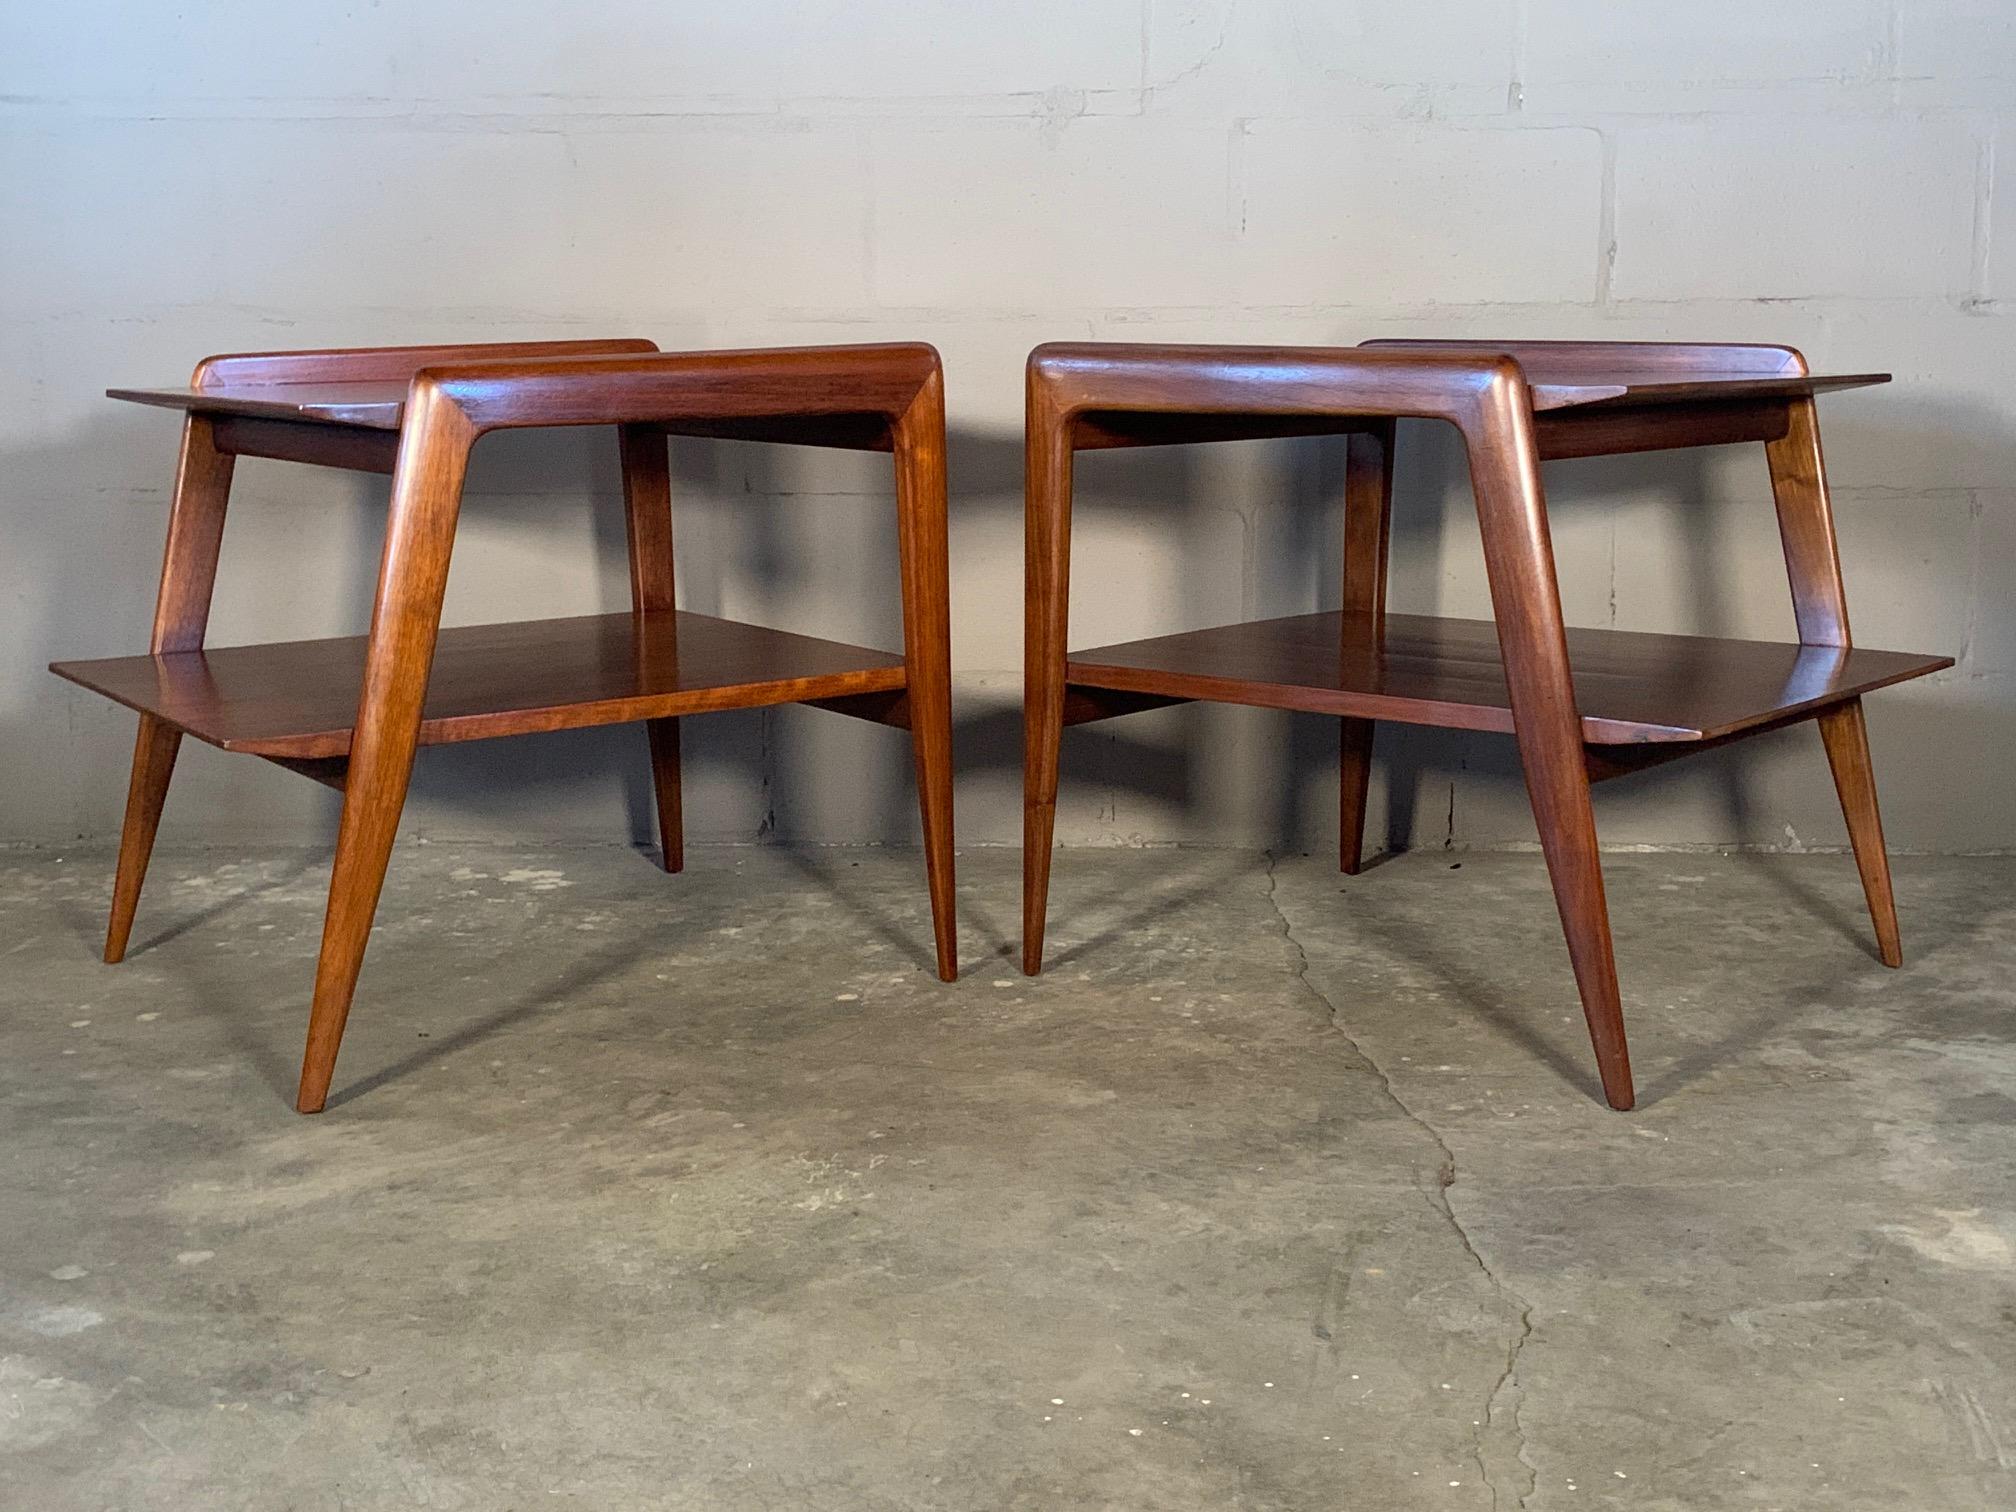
(1582, 704)
(350, 712)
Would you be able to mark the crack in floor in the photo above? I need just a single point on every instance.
(1438, 1198)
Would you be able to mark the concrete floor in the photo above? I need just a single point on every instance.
(1279, 1190)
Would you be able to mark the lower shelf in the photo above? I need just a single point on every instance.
(1631, 687)
(298, 699)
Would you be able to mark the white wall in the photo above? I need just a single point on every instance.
(1838, 174)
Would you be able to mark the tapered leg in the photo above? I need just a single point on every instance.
(663, 735)
(1368, 512)
(1354, 786)
(1820, 607)
(373, 798)
(1526, 601)
(1045, 612)
(1567, 824)
(153, 764)
(1845, 733)
(927, 649)
(188, 573)
(426, 495)
(647, 500)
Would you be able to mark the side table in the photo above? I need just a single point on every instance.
(350, 712)
(1582, 704)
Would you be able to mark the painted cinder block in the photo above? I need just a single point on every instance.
(1020, 215)
(1795, 208)
(1998, 248)
(1326, 58)
(1944, 421)
(531, 57)
(1595, 55)
(1956, 53)
(1348, 214)
(506, 223)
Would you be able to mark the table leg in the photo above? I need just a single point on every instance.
(927, 647)
(181, 612)
(1045, 612)
(1526, 601)
(647, 502)
(420, 533)
(154, 751)
(1820, 606)
(1368, 513)
(1845, 734)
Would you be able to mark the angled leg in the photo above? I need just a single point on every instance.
(927, 647)
(188, 572)
(647, 502)
(154, 753)
(663, 736)
(1526, 601)
(1846, 736)
(1820, 607)
(1368, 513)
(426, 496)
(1354, 786)
(1045, 612)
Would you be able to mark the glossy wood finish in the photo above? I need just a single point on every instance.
(181, 614)
(299, 699)
(1820, 607)
(1581, 704)
(1368, 519)
(647, 505)
(919, 439)
(351, 712)
(350, 404)
(1600, 364)
(365, 404)
(355, 448)
(1631, 687)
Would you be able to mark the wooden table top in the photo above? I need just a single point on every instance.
(381, 406)
(376, 405)
(1700, 390)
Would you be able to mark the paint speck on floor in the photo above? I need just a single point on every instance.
(58, 1322)
(538, 879)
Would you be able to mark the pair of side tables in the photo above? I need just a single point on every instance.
(1582, 704)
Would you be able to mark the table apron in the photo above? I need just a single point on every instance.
(1609, 432)
(356, 448)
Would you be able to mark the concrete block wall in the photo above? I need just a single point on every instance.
(1840, 175)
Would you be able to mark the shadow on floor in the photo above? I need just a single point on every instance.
(610, 961)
